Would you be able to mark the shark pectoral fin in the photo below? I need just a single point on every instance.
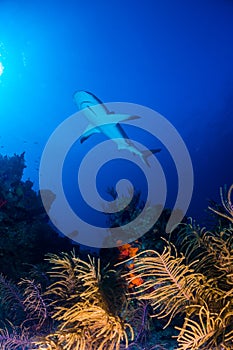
(156, 150)
(116, 118)
(132, 117)
(147, 153)
(88, 133)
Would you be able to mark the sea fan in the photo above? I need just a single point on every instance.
(85, 319)
(16, 339)
(35, 305)
(64, 272)
(11, 299)
(227, 205)
(206, 331)
(27, 308)
(173, 286)
(139, 317)
(168, 283)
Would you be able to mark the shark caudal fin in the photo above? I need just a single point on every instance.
(147, 153)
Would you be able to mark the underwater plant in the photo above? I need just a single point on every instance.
(85, 317)
(123, 300)
(139, 317)
(16, 339)
(26, 313)
(175, 285)
(227, 205)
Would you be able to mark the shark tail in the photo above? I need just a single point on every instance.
(147, 153)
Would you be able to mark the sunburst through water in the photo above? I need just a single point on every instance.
(1, 68)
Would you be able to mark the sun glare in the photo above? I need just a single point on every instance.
(1, 68)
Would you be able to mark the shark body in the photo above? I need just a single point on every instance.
(96, 113)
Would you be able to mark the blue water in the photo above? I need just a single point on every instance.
(172, 56)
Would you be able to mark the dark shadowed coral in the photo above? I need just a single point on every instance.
(25, 235)
(26, 314)
(184, 280)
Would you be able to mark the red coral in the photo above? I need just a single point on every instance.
(127, 251)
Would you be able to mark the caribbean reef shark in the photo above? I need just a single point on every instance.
(96, 113)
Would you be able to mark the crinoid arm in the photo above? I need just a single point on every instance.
(86, 320)
(168, 283)
(227, 205)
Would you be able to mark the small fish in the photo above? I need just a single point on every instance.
(97, 113)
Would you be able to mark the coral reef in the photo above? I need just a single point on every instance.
(25, 235)
(87, 319)
(86, 306)
(227, 207)
(82, 308)
(194, 283)
(158, 292)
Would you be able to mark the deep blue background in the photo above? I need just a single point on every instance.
(172, 56)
